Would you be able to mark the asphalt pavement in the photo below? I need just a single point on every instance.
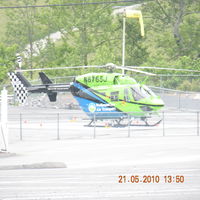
(146, 165)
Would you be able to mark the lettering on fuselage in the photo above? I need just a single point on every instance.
(100, 108)
(105, 107)
(97, 79)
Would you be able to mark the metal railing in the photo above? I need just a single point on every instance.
(173, 98)
(179, 99)
(76, 125)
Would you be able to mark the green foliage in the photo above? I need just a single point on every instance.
(91, 35)
(7, 60)
(187, 85)
(174, 29)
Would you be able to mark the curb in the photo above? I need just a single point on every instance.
(5, 154)
(43, 165)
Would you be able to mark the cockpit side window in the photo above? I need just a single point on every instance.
(136, 94)
(114, 96)
(140, 92)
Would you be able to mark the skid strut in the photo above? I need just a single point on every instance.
(117, 123)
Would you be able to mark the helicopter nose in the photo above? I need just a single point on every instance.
(158, 101)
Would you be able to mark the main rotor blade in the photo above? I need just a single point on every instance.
(163, 68)
(128, 68)
(58, 68)
(135, 70)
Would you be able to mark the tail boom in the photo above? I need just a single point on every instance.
(22, 87)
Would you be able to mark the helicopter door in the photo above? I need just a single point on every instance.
(126, 95)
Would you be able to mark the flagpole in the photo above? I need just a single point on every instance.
(123, 43)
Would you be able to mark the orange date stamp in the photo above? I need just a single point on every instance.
(151, 179)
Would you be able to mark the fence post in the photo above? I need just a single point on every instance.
(163, 116)
(58, 126)
(179, 100)
(129, 123)
(94, 118)
(20, 124)
(197, 123)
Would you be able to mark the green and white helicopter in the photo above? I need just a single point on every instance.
(102, 96)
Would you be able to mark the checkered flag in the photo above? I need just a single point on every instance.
(19, 88)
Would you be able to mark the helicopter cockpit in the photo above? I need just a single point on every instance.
(139, 92)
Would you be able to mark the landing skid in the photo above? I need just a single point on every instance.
(147, 124)
(115, 123)
(118, 124)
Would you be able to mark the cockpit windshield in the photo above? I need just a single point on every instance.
(141, 92)
(149, 91)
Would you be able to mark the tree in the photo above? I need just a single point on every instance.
(173, 27)
(89, 36)
(23, 29)
(86, 30)
(7, 60)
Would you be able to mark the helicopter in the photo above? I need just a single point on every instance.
(102, 96)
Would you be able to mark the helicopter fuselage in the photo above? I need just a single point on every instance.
(113, 95)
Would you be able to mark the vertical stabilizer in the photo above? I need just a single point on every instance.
(20, 85)
(44, 78)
